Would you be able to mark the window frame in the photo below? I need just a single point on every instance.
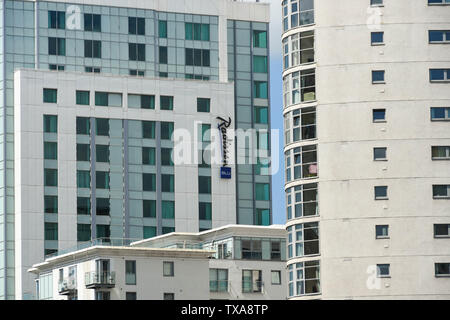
(377, 236)
(379, 269)
(171, 270)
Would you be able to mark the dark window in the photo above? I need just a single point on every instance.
(136, 26)
(442, 230)
(83, 126)
(377, 37)
(168, 269)
(197, 57)
(167, 183)
(102, 153)
(82, 97)
(166, 103)
(83, 206)
(441, 191)
(442, 269)
(56, 46)
(168, 211)
(136, 51)
(439, 75)
(102, 207)
(102, 180)
(149, 182)
(50, 150)
(166, 157)
(50, 124)
(205, 211)
(166, 130)
(83, 232)
(383, 270)
(379, 153)
(102, 126)
(148, 129)
(92, 49)
(83, 152)
(378, 76)
(251, 249)
(259, 39)
(130, 272)
(148, 156)
(379, 115)
(131, 296)
(439, 36)
(169, 296)
(92, 22)
(83, 179)
(51, 231)
(50, 177)
(50, 95)
(203, 104)
(197, 31)
(149, 208)
(56, 20)
(103, 232)
(163, 55)
(382, 231)
(440, 113)
(162, 29)
(381, 193)
(204, 185)
(51, 204)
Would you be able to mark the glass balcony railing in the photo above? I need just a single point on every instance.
(95, 279)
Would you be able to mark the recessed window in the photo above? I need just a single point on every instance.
(83, 179)
(167, 183)
(148, 129)
(440, 152)
(442, 269)
(148, 156)
(92, 22)
(205, 211)
(130, 296)
(83, 232)
(50, 150)
(197, 57)
(163, 55)
(379, 115)
(166, 103)
(50, 95)
(439, 75)
(92, 49)
(168, 269)
(51, 231)
(56, 20)
(168, 296)
(204, 185)
(102, 153)
(102, 180)
(166, 157)
(82, 97)
(382, 231)
(439, 114)
(130, 272)
(378, 76)
(136, 25)
(102, 127)
(441, 191)
(83, 206)
(443, 2)
(56, 46)
(136, 52)
(383, 270)
(276, 277)
(51, 204)
(83, 152)
(149, 208)
(439, 36)
(203, 104)
(381, 193)
(149, 182)
(50, 177)
(102, 207)
(442, 230)
(379, 154)
(377, 38)
(83, 126)
(166, 130)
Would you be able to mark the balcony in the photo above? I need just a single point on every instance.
(100, 280)
(218, 286)
(67, 286)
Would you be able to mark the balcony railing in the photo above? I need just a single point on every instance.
(252, 286)
(218, 286)
(67, 286)
(95, 280)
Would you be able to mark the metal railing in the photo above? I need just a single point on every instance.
(96, 279)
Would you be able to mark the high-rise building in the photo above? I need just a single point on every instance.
(87, 138)
(366, 88)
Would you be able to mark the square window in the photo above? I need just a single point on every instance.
(203, 104)
(50, 124)
(166, 102)
(83, 206)
(83, 126)
(83, 232)
(442, 230)
(82, 98)
(168, 212)
(377, 38)
(51, 204)
(50, 95)
(102, 207)
(381, 193)
(149, 208)
(379, 154)
(378, 76)
(382, 231)
(442, 269)
(102, 153)
(379, 115)
(383, 270)
(83, 152)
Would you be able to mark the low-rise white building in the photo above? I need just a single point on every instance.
(230, 262)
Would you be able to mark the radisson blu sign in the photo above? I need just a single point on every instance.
(225, 170)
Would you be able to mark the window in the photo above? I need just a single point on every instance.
(163, 75)
(136, 26)
(442, 230)
(260, 64)
(102, 207)
(50, 177)
(382, 232)
(440, 152)
(300, 124)
(168, 269)
(168, 211)
(262, 191)
(83, 126)
(136, 51)
(56, 20)
(82, 98)
(91, 70)
(107, 99)
(204, 185)
(149, 208)
(379, 154)
(166, 157)
(83, 206)
(141, 101)
(304, 238)
(169, 296)
(203, 104)
(381, 193)
(50, 150)
(139, 73)
(205, 211)
(130, 296)
(50, 124)
(166, 102)
(276, 277)
(379, 115)
(51, 231)
(148, 156)
(83, 152)
(148, 129)
(383, 270)
(102, 295)
(50, 95)
(167, 183)
(261, 115)
(196, 31)
(218, 280)
(92, 22)
(301, 163)
(262, 217)
(260, 89)
(440, 114)
(439, 75)
(376, 2)
(102, 153)
(444, 2)
(305, 278)
(149, 232)
(259, 39)
(163, 55)
(83, 179)
(252, 281)
(102, 180)
(162, 28)
(439, 36)
(441, 191)
(298, 49)
(377, 38)
(251, 249)
(56, 67)
(301, 12)
(302, 200)
(103, 232)
(51, 204)
(442, 269)
(303, 85)
(56, 46)
(166, 130)
(275, 250)
(378, 76)
(83, 232)
(102, 126)
(92, 49)
(130, 272)
(149, 182)
(197, 57)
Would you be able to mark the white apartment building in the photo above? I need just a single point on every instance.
(366, 89)
(233, 262)
(97, 98)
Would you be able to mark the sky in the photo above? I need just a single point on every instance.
(278, 196)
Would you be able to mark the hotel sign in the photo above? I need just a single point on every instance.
(225, 170)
